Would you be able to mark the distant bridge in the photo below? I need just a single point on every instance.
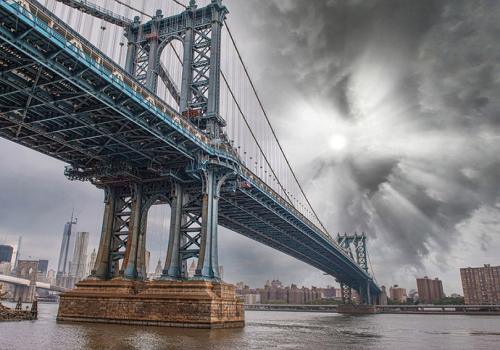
(25, 282)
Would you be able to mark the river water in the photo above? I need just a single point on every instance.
(264, 330)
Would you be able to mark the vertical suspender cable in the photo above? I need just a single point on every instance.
(272, 129)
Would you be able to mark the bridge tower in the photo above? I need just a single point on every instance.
(358, 244)
(191, 189)
(194, 211)
(27, 269)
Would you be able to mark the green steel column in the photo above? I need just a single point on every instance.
(173, 261)
(205, 268)
(130, 260)
(101, 267)
(187, 61)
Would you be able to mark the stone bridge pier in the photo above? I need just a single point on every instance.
(118, 290)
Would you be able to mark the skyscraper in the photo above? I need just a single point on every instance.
(481, 285)
(158, 270)
(43, 266)
(147, 258)
(6, 253)
(91, 265)
(192, 269)
(51, 277)
(18, 251)
(429, 290)
(78, 266)
(63, 264)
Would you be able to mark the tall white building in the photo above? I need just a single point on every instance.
(158, 270)
(91, 264)
(78, 264)
(192, 269)
(148, 257)
(64, 254)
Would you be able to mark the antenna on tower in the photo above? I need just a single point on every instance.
(75, 220)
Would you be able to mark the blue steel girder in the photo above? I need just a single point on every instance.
(62, 141)
(261, 227)
(189, 137)
(287, 228)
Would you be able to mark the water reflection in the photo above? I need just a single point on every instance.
(264, 330)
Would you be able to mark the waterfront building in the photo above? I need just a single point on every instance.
(295, 295)
(397, 294)
(275, 293)
(147, 259)
(43, 266)
(383, 296)
(481, 285)
(412, 296)
(91, 264)
(430, 290)
(51, 277)
(252, 298)
(5, 268)
(158, 270)
(6, 252)
(192, 269)
(78, 266)
(329, 292)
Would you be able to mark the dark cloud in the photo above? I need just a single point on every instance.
(422, 75)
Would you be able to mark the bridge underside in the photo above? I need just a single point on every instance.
(52, 102)
(87, 112)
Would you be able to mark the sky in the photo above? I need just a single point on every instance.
(387, 110)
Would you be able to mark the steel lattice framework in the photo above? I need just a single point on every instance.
(61, 96)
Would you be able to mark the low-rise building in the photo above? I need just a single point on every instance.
(397, 294)
(430, 290)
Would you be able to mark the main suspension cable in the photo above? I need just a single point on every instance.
(133, 8)
(271, 127)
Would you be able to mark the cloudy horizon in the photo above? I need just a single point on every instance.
(387, 111)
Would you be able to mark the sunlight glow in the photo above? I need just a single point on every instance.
(338, 142)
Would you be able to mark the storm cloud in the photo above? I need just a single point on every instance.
(409, 87)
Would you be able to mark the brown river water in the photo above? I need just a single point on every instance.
(264, 330)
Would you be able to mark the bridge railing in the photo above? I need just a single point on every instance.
(268, 189)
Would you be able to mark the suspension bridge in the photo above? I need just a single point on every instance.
(157, 106)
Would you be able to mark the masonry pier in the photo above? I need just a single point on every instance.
(192, 304)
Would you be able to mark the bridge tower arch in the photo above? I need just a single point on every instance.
(199, 30)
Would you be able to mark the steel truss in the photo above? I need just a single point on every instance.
(346, 292)
(200, 32)
(359, 244)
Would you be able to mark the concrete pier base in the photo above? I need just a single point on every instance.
(193, 304)
(353, 309)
